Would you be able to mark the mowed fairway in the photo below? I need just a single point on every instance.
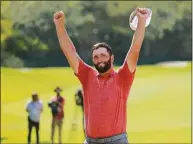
(158, 111)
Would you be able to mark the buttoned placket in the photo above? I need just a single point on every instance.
(101, 86)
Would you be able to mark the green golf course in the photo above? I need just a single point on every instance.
(158, 110)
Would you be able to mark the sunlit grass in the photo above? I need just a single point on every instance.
(159, 105)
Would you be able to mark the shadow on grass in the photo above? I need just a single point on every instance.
(45, 142)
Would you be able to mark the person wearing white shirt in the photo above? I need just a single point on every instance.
(34, 109)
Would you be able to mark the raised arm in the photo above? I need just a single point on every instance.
(133, 53)
(65, 43)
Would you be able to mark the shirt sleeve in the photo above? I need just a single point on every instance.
(126, 75)
(84, 71)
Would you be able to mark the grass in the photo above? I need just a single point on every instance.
(159, 105)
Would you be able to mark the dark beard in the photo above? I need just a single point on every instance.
(105, 68)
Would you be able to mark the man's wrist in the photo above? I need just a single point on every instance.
(142, 21)
(61, 31)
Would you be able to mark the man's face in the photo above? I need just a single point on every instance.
(35, 97)
(102, 60)
(58, 93)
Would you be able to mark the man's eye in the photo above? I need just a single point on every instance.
(103, 55)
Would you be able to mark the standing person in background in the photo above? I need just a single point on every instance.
(105, 90)
(34, 109)
(57, 108)
(79, 102)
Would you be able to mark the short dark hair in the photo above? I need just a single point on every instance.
(104, 45)
(34, 94)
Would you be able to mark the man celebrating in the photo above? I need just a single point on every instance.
(105, 90)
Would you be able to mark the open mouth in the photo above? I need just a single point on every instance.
(101, 65)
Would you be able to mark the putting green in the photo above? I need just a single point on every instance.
(159, 105)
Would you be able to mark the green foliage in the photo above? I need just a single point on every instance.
(30, 50)
(6, 30)
(29, 27)
(6, 22)
(13, 62)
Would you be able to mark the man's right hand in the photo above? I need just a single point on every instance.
(59, 18)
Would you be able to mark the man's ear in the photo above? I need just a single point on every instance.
(112, 59)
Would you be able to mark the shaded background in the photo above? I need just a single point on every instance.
(159, 104)
(29, 36)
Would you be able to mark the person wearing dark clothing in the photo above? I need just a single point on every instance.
(79, 102)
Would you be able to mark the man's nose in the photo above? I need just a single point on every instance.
(100, 60)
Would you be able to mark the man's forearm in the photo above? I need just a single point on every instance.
(138, 36)
(67, 47)
(64, 39)
(133, 53)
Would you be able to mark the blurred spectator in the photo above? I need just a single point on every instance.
(57, 106)
(34, 108)
(79, 102)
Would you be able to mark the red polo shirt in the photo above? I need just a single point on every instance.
(105, 99)
(60, 114)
